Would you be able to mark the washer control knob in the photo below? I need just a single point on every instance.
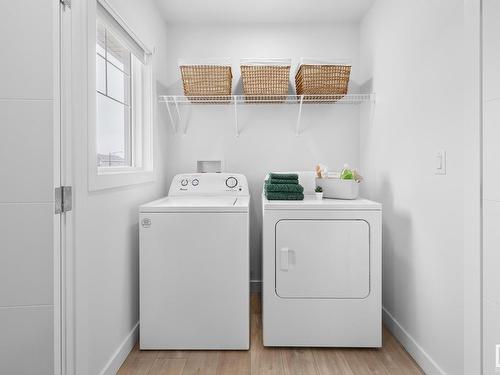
(195, 182)
(184, 182)
(231, 182)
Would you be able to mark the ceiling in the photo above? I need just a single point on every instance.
(263, 11)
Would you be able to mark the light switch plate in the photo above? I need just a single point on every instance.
(440, 160)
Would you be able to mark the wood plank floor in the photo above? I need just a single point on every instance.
(390, 359)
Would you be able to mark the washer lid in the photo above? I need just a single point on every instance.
(311, 203)
(198, 204)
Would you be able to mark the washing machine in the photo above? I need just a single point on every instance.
(194, 264)
(321, 271)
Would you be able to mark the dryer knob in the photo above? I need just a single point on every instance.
(184, 182)
(231, 182)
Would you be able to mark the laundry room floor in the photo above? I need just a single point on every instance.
(390, 359)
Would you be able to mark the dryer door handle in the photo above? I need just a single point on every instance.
(284, 258)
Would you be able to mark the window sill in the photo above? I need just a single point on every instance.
(117, 177)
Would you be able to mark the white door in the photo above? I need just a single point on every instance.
(322, 259)
(30, 154)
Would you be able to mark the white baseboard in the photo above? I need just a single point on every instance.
(256, 286)
(121, 352)
(418, 353)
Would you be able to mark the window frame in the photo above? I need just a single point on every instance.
(143, 116)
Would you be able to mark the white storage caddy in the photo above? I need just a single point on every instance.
(337, 188)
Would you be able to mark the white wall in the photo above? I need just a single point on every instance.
(267, 141)
(106, 222)
(28, 125)
(491, 183)
(411, 56)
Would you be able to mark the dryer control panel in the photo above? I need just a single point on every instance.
(232, 184)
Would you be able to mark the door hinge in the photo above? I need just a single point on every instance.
(66, 3)
(63, 199)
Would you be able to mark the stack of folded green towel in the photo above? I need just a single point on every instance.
(283, 187)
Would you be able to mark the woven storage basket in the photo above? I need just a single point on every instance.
(315, 80)
(265, 83)
(206, 83)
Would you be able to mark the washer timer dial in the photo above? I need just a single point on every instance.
(231, 182)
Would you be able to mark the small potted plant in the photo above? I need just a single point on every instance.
(319, 192)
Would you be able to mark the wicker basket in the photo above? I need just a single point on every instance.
(206, 83)
(315, 80)
(265, 82)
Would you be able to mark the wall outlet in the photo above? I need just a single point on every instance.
(440, 161)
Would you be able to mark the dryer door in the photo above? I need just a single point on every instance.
(322, 259)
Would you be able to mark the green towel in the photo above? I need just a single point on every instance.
(284, 188)
(284, 176)
(282, 181)
(282, 196)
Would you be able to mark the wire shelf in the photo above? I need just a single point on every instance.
(269, 99)
(237, 100)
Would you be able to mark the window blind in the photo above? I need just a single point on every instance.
(120, 31)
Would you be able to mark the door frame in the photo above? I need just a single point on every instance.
(472, 285)
(57, 230)
(64, 285)
(64, 297)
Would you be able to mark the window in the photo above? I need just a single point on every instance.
(113, 105)
(120, 145)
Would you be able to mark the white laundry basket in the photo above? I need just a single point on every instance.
(337, 188)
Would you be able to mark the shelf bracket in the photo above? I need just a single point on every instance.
(237, 128)
(174, 127)
(297, 127)
(179, 118)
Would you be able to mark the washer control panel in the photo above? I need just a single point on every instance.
(209, 184)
